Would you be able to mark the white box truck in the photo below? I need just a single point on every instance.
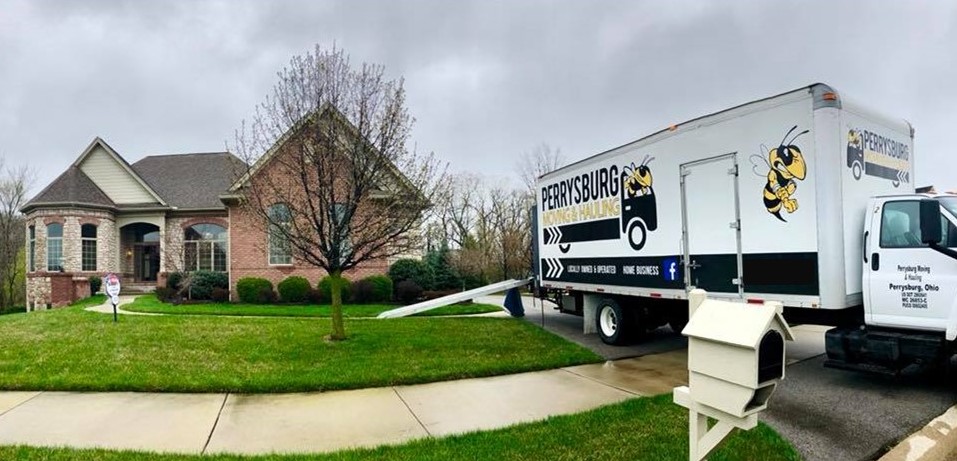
(803, 198)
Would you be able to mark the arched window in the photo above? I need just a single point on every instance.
(204, 248)
(33, 248)
(280, 252)
(54, 247)
(88, 251)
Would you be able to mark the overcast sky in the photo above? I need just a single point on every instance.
(486, 80)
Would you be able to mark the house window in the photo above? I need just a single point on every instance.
(88, 245)
(279, 221)
(33, 249)
(55, 247)
(204, 248)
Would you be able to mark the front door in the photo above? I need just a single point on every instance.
(146, 261)
(711, 231)
(909, 285)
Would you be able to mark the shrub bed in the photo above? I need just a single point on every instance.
(294, 289)
(202, 284)
(372, 289)
(254, 290)
(407, 292)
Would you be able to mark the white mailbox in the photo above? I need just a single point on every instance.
(736, 356)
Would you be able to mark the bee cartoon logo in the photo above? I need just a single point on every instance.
(639, 211)
(785, 165)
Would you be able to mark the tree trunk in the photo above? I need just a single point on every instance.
(338, 329)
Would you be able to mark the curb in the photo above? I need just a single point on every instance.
(935, 441)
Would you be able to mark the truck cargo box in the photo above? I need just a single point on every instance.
(763, 201)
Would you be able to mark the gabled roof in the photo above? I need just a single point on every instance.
(178, 181)
(72, 188)
(191, 181)
(737, 324)
(326, 109)
(121, 161)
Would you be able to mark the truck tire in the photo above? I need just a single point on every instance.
(856, 170)
(613, 323)
(637, 234)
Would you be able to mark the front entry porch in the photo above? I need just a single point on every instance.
(141, 256)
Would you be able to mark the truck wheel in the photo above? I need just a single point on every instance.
(637, 234)
(612, 322)
(856, 170)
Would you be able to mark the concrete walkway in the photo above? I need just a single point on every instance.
(320, 422)
(107, 307)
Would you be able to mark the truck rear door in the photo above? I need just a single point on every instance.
(909, 285)
(711, 224)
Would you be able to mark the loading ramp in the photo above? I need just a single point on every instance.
(455, 298)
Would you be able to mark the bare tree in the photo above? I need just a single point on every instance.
(14, 183)
(538, 161)
(329, 145)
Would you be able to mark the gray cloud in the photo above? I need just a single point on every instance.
(487, 80)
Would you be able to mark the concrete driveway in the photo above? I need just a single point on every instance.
(840, 415)
(570, 327)
(826, 414)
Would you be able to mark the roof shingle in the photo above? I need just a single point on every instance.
(72, 187)
(190, 181)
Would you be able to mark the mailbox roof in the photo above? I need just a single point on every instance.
(737, 324)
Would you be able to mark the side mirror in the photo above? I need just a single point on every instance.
(930, 221)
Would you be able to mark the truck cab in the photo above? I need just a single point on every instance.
(909, 286)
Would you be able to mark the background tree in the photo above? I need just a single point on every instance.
(538, 161)
(335, 140)
(14, 183)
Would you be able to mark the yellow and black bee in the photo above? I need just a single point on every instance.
(786, 164)
(638, 179)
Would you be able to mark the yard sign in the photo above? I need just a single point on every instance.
(113, 289)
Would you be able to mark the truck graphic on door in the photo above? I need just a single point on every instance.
(875, 155)
(637, 217)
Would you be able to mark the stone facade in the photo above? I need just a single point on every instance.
(127, 205)
(247, 252)
(46, 288)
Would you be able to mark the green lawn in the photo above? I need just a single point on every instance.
(151, 304)
(71, 349)
(639, 429)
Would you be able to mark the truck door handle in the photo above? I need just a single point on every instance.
(875, 262)
(864, 243)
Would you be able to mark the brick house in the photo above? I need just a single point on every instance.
(143, 221)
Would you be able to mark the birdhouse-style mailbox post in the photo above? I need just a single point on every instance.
(735, 360)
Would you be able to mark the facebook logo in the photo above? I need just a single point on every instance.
(670, 269)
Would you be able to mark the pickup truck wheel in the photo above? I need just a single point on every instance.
(612, 323)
